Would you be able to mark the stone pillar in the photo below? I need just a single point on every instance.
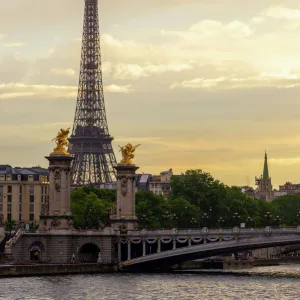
(119, 251)
(158, 245)
(1, 227)
(174, 243)
(124, 214)
(144, 248)
(57, 214)
(128, 250)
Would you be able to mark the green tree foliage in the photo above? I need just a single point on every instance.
(10, 226)
(196, 200)
(90, 206)
(287, 208)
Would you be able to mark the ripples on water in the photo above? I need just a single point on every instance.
(280, 284)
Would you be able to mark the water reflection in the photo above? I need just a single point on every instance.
(284, 284)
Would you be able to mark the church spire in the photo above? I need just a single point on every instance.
(266, 169)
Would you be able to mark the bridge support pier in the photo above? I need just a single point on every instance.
(158, 245)
(144, 248)
(119, 252)
(128, 250)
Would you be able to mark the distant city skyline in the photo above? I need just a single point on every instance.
(200, 84)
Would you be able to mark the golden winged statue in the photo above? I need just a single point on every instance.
(127, 154)
(61, 141)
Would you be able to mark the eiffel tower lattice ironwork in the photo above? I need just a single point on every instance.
(94, 158)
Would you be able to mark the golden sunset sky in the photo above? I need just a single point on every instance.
(205, 84)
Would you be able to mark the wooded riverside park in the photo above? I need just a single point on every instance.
(196, 200)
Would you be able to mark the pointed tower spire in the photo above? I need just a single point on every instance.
(266, 169)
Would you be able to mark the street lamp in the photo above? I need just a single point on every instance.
(221, 221)
(204, 220)
(277, 221)
(268, 217)
(249, 222)
(144, 219)
(298, 217)
(236, 219)
(193, 221)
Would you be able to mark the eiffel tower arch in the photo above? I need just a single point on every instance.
(94, 158)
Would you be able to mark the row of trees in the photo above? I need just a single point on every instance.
(196, 200)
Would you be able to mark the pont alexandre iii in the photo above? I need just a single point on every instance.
(56, 241)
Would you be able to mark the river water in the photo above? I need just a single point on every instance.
(275, 283)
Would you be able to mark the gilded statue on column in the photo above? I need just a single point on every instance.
(127, 153)
(61, 141)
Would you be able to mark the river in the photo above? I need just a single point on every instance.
(275, 283)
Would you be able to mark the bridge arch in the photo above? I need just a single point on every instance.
(36, 250)
(179, 255)
(89, 253)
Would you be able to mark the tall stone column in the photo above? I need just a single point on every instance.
(56, 214)
(1, 227)
(124, 214)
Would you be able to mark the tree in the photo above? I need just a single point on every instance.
(287, 207)
(10, 225)
(88, 209)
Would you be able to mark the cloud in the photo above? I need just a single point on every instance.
(281, 12)
(14, 45)
(113, 88)
(18, 90)
(207, 29)
(136, 71)
(265, 79)
(64, 72)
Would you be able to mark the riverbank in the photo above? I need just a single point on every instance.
(54, 269)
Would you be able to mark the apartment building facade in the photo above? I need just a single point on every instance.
(23, 191)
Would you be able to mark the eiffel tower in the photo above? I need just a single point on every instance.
(94, 158)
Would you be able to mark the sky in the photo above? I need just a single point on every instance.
(201, 84)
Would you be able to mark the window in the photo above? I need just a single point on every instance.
(2, 177)
(19, 177)
(20, 207)
(31, 208)
(31, 190)
(9, 207)
(9, 189)
(8, 177)
(30, 177)
(20, 189)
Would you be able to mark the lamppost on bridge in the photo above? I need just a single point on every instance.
(298, 218)
(236, 219)
(193, 221)
(144, 219)
(204, 220)
(168, 217)
(221, 222)
(268, 217)
(249, 222)
(277, 221)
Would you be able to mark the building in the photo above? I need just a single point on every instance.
(161, 184)
(22, 193)
(289, 188)
(264, 189)
(248, 190)
(143, 182)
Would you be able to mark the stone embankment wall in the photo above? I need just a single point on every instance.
(55, 269)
